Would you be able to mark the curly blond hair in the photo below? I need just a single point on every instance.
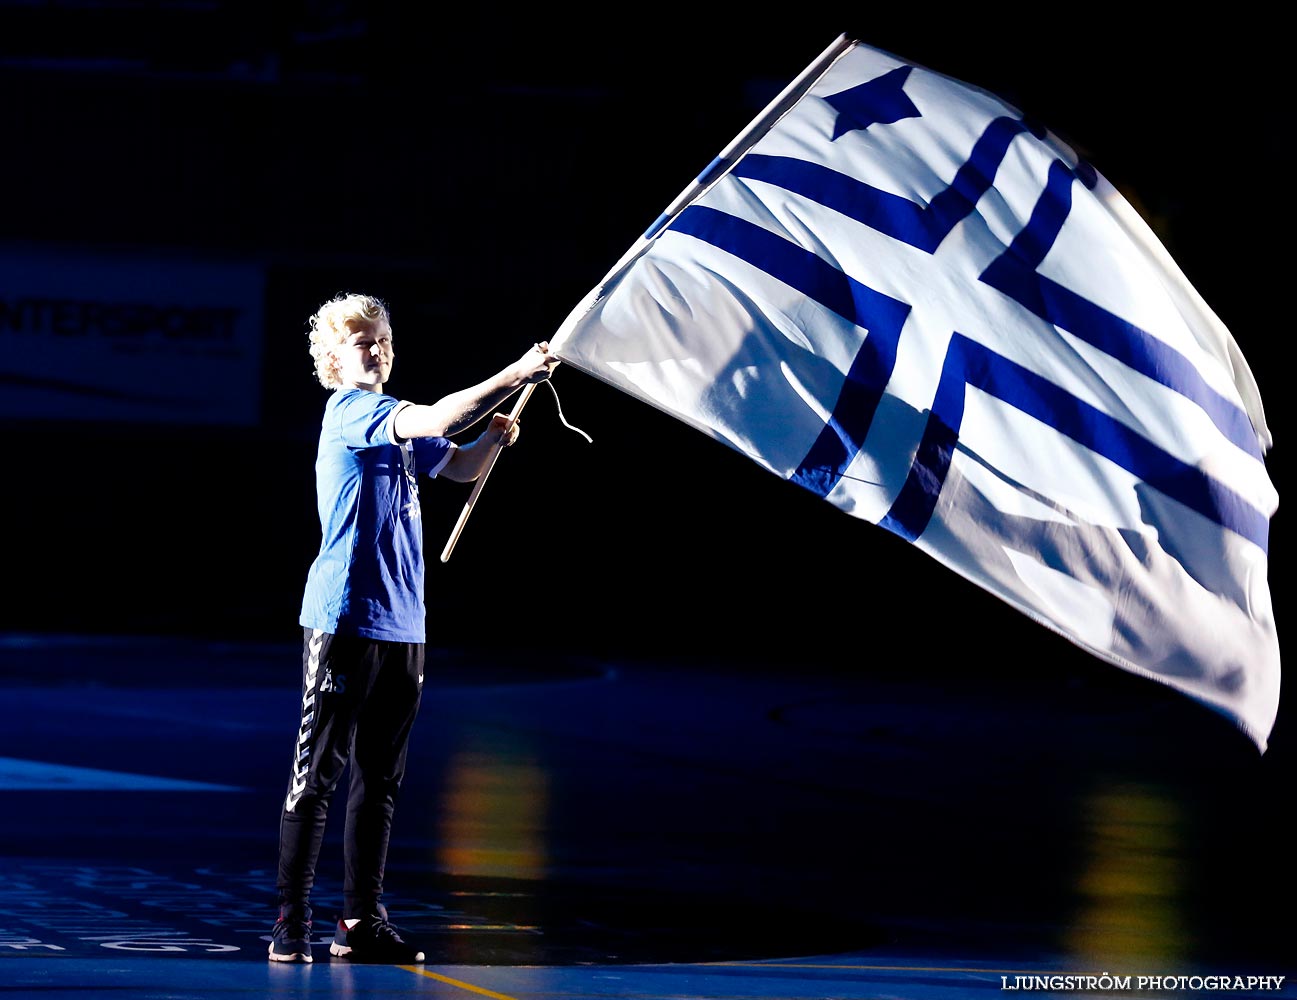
(334, 322)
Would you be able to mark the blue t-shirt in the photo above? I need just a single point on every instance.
(368, 577)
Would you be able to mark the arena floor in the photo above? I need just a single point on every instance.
(581, 829)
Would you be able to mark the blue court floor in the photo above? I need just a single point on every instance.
(575, 828)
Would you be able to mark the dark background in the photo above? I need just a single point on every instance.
(481, 172)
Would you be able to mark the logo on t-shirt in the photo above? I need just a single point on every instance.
(411, 481)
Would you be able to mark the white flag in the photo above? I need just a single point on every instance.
(899, 294)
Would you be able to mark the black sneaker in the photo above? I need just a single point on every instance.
(290, 941)
(373, 939)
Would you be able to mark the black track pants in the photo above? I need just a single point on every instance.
(359, 701)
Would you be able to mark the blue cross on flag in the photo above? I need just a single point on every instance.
(899, 294)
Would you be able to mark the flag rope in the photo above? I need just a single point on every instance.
(495, 453)
(562, 419)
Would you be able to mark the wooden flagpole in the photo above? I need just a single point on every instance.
(759, 125)
(720, 165)
(481, 480)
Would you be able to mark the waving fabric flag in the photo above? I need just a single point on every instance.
(898, 293)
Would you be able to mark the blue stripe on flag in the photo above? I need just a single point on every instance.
(1013, 273)
(844, 433)
(920, 226)
(969, 363)
(883, 316)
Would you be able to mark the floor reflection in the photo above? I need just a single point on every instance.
(1130, 891)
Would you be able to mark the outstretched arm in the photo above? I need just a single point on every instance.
(458, 410)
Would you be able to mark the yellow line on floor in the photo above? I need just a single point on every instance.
(884, 968)
(455, 982)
